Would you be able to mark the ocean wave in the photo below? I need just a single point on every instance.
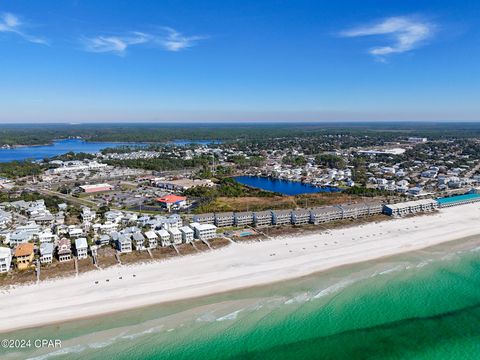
(68, 350)
(231, 316)
(334, 288)
(298, 299)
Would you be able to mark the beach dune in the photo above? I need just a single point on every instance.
(235, 266)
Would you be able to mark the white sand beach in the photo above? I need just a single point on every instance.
(235, 266)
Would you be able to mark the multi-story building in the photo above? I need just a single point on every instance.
(224, 219)
(187, 234)
(243, 218)
(300, 217)
(262, 218)
(81, 248)
(204, 231)
(325, 214)
(281, 217)
(5, 259)
(46, 253)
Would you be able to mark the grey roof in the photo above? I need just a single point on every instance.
(281, 212)
(138, 236)
(224, 214)
(46, 248)
(325, 209)
(81, 243)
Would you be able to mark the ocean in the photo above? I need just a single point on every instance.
(419, 305)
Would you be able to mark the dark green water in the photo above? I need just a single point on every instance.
(422, 305)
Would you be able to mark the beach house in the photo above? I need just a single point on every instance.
(164, 236)
(46, 253)
(24, 255)
(152, 239)
(5, 259)
(124, 243)
(187, 234)
(138, 241)
(64, 250)
(81, 248)
(175, 236)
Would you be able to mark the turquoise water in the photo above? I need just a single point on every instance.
(421, 305)
(451, 199)
(282, 186)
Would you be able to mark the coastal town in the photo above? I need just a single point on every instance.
(83, 212)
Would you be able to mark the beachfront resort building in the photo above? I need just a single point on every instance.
(187, 234)
(46, 253)
(243, 218)
(353, 211)
(325, 214)
(300, 217)
(224, 219)
(5, 259)
(208, 218)
(262, 218)
(204, 231)
(64, 250)
(410, 207)
(24, 255)
(81, 247)
(281, 217)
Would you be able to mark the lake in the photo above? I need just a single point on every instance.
(58, 147)
(284, 187)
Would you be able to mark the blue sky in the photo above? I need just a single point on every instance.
(87, 60)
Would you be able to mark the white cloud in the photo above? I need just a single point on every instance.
(168, 39)
(407, 34)
(115, 44)
(176, 41)
(10, 23)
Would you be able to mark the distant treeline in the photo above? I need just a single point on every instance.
(34, 134)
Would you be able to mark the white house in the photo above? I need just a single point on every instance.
(124, 243)
(164, 237)
(138, 240)
(204, 231)
(81, 246)
(152, 239)
(5, 259)
(175, 236)
(88, 214)
(187, 234)
(46, 252)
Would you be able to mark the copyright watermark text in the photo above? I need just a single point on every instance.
(31, 343)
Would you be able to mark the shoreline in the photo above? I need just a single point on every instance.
(237, 266)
